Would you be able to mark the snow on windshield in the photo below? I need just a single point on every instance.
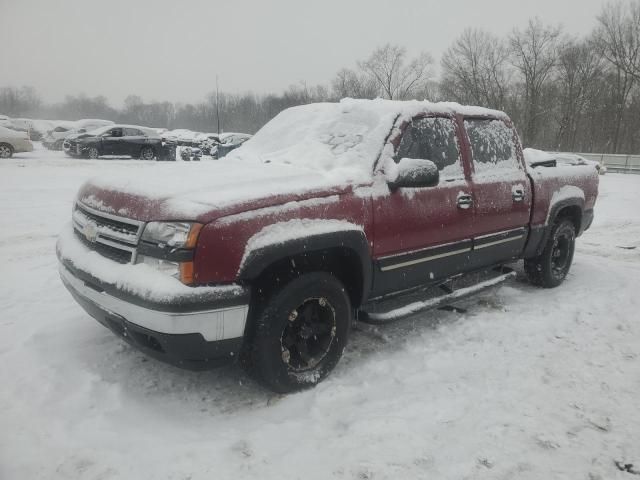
(325, 136)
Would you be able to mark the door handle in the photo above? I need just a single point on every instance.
(518, 195)
(465, 201)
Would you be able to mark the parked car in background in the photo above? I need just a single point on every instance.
(330, 211)
(537, 158)
(229, 142)
(54, 139)
(5, 121)
(12, 141)
(116, 140)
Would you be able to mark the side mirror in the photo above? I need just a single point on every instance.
(415, 173)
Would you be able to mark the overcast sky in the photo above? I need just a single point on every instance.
(172, 50)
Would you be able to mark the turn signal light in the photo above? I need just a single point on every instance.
(187, 273)
(192, 238)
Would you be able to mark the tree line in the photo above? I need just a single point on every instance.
(564, 92)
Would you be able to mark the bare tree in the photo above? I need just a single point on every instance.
(618, 35)
(579, 71)
(618, 41)
(396, 79)
(474, 69)
(353, 84)
(535, 53)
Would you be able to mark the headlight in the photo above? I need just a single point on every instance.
(176, 237)
(164, 266)
(172, 234)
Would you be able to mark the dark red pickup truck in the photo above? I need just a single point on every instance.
(329, 211)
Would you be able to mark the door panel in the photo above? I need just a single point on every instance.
(423, 234)
(132, 142)
(501, 190)
(112, 144)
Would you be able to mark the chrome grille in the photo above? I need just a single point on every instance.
(110, 235)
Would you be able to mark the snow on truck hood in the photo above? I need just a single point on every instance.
(321, 148)
(205, 191)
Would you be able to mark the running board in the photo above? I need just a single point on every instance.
(382, 312)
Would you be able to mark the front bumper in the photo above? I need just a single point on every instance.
(191, 337)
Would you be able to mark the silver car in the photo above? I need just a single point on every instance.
(12, 141)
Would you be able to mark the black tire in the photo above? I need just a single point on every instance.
(147, 153)
(552, 266)
(6, 150)
(93, 153)
(300, 333)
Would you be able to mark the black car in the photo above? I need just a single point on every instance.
(117, 140)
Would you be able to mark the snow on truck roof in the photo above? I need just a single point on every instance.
(345, 135)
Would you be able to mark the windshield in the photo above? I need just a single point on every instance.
(324, 136)
(100, 130)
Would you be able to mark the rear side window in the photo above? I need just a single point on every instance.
(492, 145)
(132, 132)
(433, 139)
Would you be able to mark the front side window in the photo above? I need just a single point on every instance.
(433, 138)
(132, 132)
(114, 132)
(492, 145)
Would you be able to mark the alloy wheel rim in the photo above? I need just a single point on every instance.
(147, 154)
(560, 254)
(4, 151)
(308, 335)
(93, 153)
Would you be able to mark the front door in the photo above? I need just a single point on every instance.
(501, 192)
(112, 142)
(423, 235)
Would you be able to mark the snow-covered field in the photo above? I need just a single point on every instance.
(528, 384)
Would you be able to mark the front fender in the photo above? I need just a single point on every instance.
(305, 236)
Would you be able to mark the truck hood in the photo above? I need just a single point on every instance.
(209, 190)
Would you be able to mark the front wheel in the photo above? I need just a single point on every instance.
(300, 333)
(93, 153)
(5, 150)
(551, 267)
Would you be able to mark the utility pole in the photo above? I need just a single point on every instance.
(218, 104)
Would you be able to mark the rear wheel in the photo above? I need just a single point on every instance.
(5, 150)
(551, 267)
(300, 333)
(147, 153)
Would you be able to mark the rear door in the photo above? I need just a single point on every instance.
(132, 142)
(424, 234)
(501, 191)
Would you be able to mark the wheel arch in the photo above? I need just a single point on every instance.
(144, 147)
(344, 254)
(571, 208)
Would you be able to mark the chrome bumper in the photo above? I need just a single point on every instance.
(214, 325)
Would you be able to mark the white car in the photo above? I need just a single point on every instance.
(12, 142)
(5, 121)
(54, 138)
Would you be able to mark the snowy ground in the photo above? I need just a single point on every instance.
(528, 384)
